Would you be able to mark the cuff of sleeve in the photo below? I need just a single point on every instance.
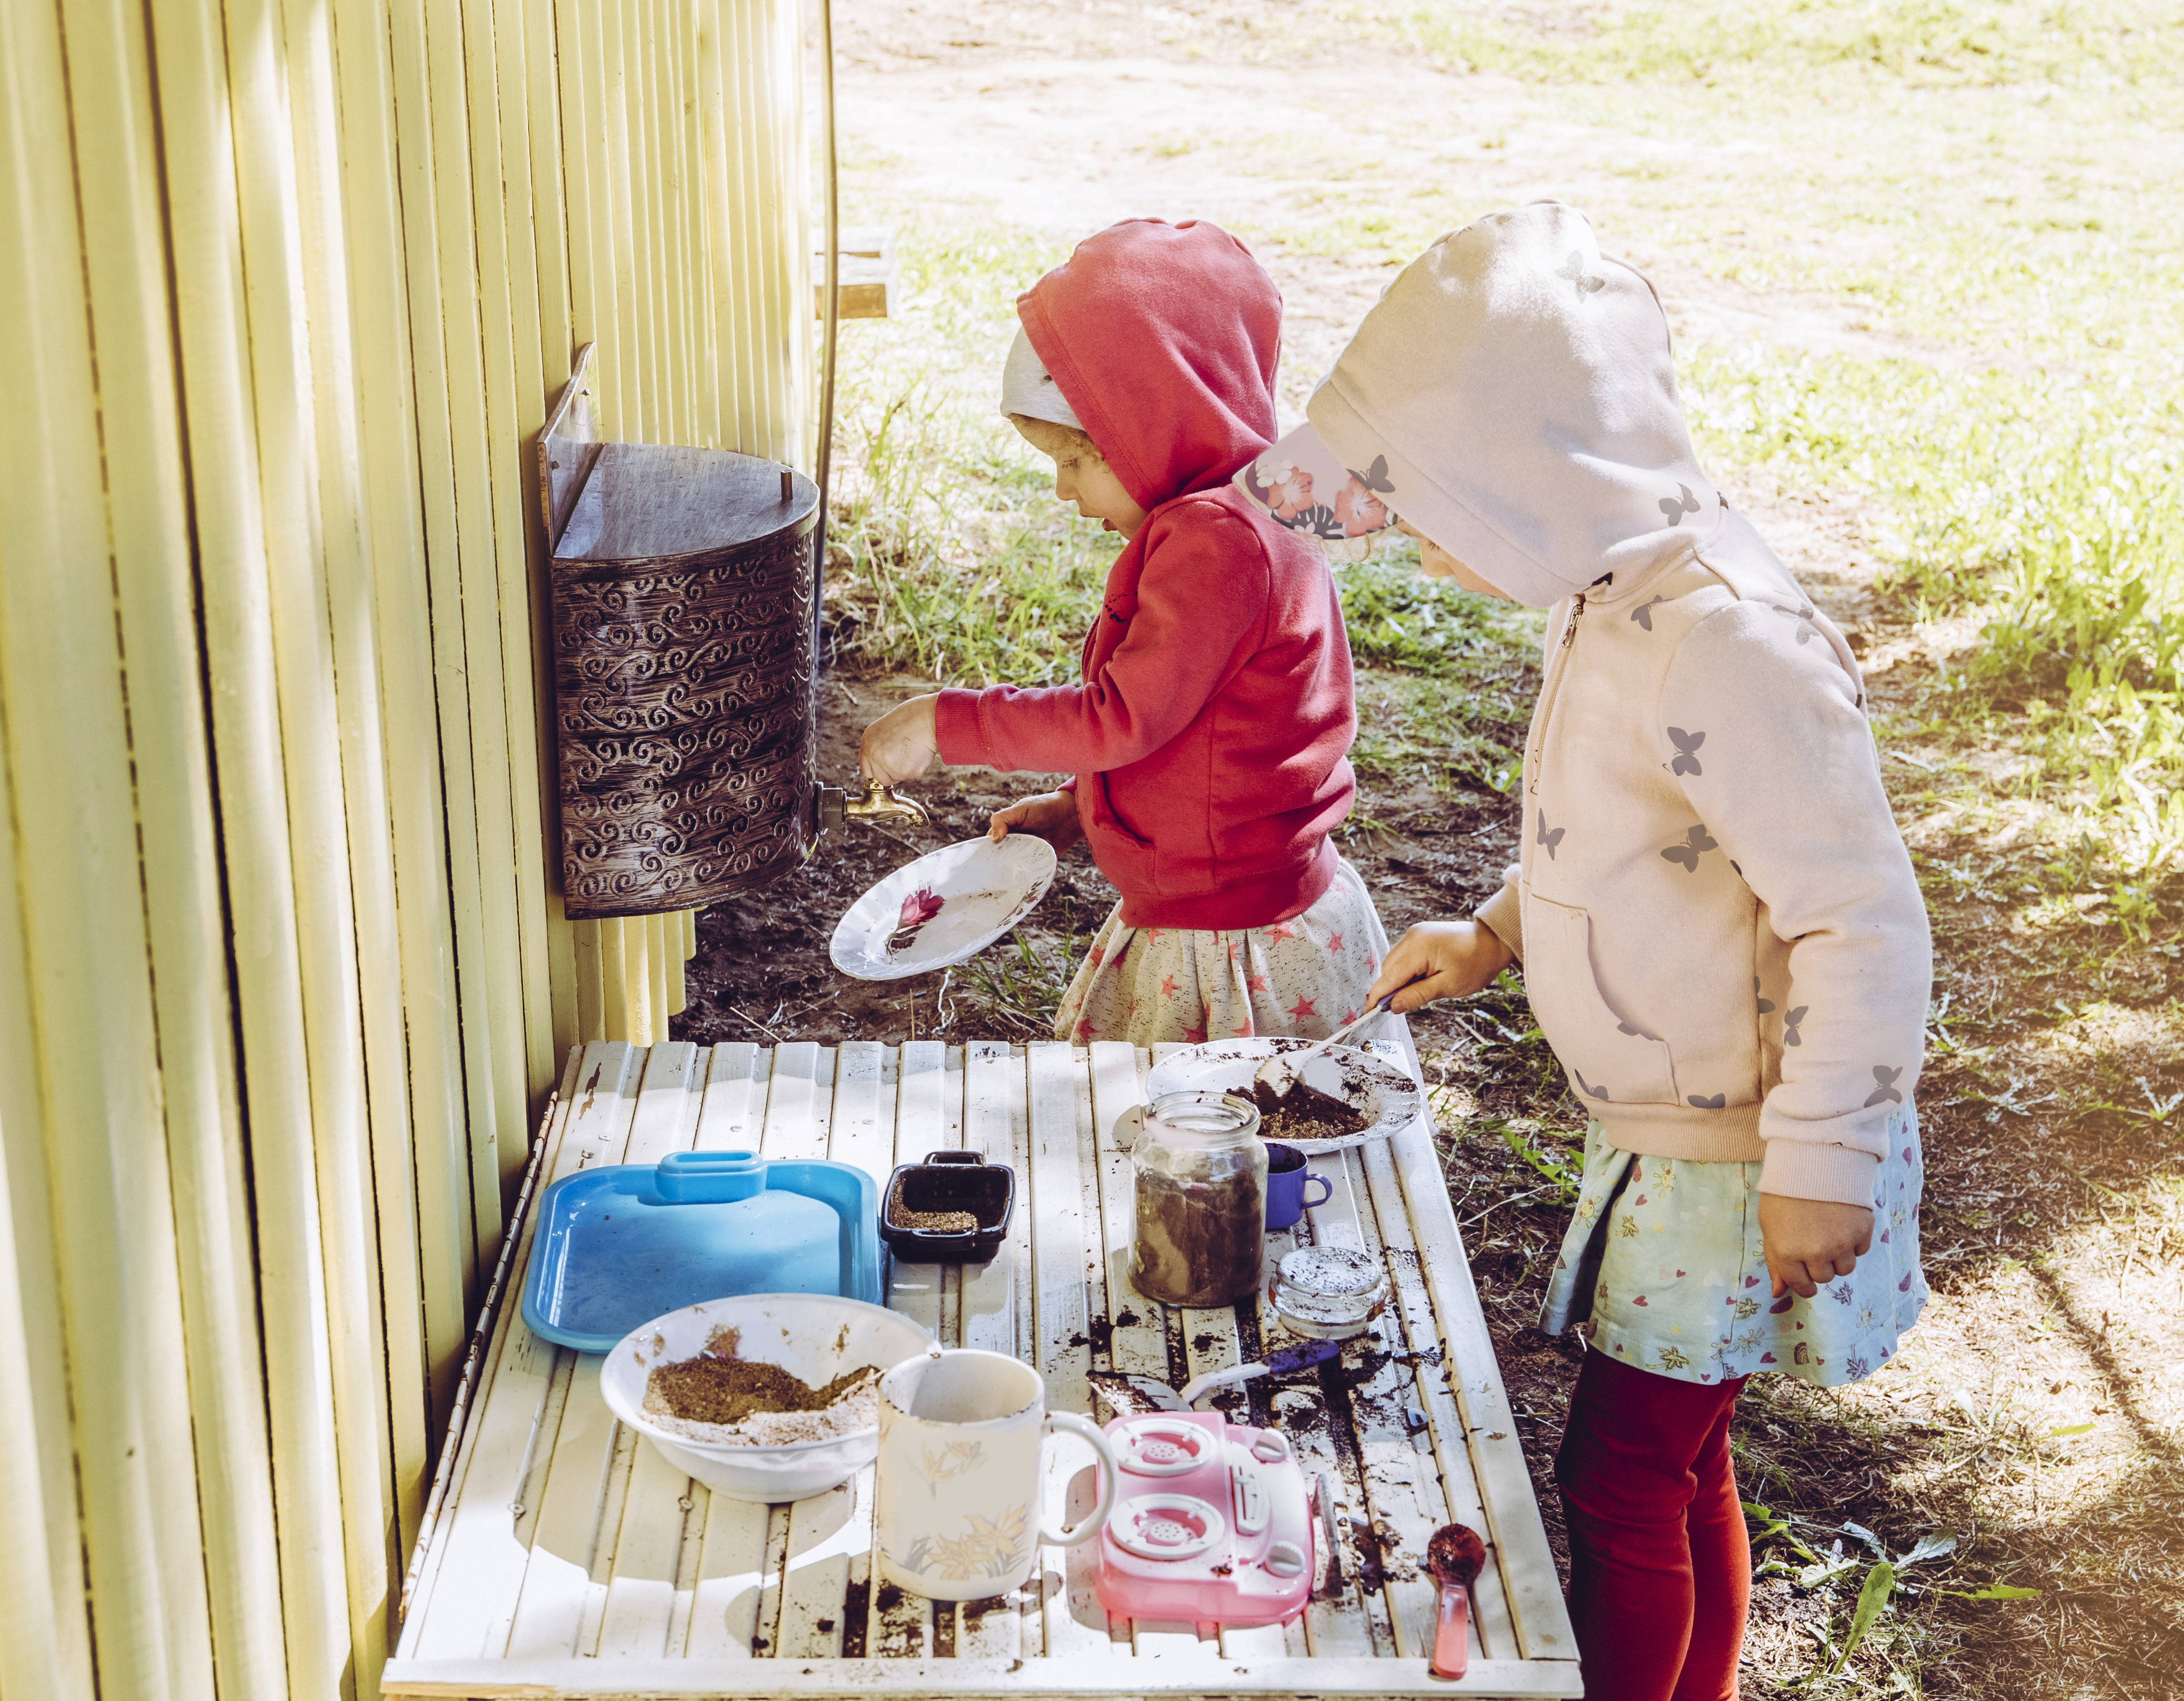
(1810, 1169)
(955, 730)
(1505, 915)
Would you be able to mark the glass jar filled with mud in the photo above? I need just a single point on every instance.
(1202, 1200)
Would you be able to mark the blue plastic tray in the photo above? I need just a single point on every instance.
(620, 1245)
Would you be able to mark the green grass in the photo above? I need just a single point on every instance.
(1928, 43)
(1997, 186)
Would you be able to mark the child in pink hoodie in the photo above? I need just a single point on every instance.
(1209, 737)
(1720, 931)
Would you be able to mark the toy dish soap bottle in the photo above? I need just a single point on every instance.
(1201, 1218)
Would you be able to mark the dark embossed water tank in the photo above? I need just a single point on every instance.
(682, 584)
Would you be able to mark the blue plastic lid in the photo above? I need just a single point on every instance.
(620, 1245)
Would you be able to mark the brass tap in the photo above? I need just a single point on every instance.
(837, 807)
(885, 800)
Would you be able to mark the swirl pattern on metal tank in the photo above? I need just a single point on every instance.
(685, 709)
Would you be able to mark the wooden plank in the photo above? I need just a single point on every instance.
(900, 1624)
(644, 1523)
(730, 1535)
(996, 1315)
(1341, 1624)
(959, 1680)
(731, 1568)
(830, 1535)
(733, 1116)
(826, 1531)
(798, 1100)
(1402, 1487)
(468, 1591)
(861, 1130)
(1493, 1635)
(564, 1581)
(1533, 1591)
(1066, 1281)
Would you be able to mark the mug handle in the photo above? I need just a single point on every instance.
(1109, 1481)
(1308, 1180)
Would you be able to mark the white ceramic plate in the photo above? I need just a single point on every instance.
(1363, 1079)
(974, 891)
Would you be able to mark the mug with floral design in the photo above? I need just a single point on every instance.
(959, 1493)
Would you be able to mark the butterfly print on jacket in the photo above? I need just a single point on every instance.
(1574, 270)
(1697, 842)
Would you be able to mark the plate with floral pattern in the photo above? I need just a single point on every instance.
(944, 908)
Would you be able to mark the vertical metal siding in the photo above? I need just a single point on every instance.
(282, 974)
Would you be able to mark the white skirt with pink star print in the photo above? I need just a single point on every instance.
(1160, 986)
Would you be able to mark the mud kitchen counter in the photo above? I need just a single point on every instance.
(566, 1557)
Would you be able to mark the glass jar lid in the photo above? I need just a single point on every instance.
(1219, 1119)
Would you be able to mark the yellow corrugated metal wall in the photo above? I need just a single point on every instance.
(287, 286)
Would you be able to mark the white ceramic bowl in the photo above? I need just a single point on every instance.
(1365, 1081)
(812, 1336)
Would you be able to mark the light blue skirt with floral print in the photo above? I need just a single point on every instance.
(1662, 1267)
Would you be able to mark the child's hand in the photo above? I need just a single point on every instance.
(1050, 815)
(1454, 958)
(1809, 1241)
(900, 744)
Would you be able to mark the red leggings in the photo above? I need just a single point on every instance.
(1660, 1567)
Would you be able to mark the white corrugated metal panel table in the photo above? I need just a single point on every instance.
(567, 1557)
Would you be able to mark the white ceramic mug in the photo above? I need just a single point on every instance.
(960, 1495)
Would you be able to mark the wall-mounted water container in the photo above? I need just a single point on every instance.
(682, 583)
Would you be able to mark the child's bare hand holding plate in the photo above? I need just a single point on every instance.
(901, 744)
(1447, 959)
(1049, 816)
(1811, 1242)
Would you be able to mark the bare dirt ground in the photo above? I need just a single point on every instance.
(2035, 1413)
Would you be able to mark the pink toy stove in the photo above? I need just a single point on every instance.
(1212, 1523)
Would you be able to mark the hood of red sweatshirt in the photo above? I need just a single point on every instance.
(1164, 339)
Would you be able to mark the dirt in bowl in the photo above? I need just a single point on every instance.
(1304, 1113)
(716, 1397)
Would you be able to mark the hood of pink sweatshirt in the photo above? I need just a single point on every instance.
(1164, 339)
(1519, 382)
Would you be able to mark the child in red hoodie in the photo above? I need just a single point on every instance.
(1209, 739)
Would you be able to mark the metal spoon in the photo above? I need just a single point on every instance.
(1281, 1071)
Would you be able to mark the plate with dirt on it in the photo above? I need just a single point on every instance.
(944, 908)
(1344, 1096)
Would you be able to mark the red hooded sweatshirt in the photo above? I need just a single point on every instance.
(1210, 736)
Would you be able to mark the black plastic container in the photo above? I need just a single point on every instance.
(947, 1182)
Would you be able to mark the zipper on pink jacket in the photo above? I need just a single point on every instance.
(1550, 688)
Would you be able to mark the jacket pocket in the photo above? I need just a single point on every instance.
(1609, 1058)
(1124, 856)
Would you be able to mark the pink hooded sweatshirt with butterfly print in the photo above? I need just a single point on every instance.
(1721, 933)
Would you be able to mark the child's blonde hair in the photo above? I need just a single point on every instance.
(1053, 438)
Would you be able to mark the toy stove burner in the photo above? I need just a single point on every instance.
(1161, 1447)
(1168, 1527)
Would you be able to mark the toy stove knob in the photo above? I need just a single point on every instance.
(1284, 1559)
(1270, 1447)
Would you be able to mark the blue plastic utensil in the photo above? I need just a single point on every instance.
(627, 1242)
